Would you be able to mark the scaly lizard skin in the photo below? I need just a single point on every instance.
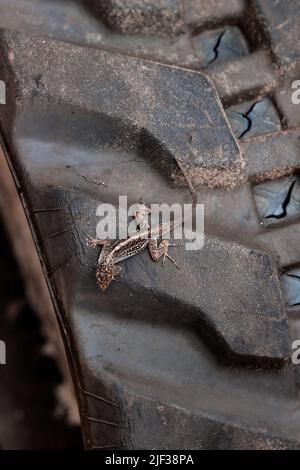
(117, 251)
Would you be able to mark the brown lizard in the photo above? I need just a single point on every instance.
(117, 251)
(114, 252)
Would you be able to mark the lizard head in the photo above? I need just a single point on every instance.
(105, 274)
(141, 212)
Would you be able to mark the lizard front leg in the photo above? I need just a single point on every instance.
(157, 250)
(93, 242)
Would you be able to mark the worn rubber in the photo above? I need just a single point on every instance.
(101, 105)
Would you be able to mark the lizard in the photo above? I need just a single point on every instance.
(114, 252)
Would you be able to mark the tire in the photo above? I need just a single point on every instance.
(102, 105)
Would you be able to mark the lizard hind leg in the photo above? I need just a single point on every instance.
(158, 250)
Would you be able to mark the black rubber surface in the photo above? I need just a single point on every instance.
(101, 99)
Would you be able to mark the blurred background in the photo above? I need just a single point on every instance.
(32, 413)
